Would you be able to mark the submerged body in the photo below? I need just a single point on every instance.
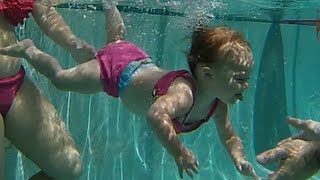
(220, 60)
(128, 72)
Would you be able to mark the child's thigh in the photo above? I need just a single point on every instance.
(35, 128)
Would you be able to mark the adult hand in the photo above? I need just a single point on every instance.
(297, 159)
(310, 130)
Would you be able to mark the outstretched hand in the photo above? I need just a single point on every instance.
(310, 130)
(297, 159)
(187, 162)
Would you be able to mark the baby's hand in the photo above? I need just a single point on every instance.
(186, 161)
(245, 168)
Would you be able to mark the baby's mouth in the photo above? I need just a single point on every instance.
(239, 96)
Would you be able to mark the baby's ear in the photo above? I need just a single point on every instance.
(207, 72)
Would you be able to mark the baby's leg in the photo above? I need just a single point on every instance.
(35, 128)
(115, 27)
(54, 26)
(84, 78)
(2, 146)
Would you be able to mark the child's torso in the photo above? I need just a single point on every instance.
(138, 98)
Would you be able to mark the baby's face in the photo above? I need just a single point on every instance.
(232, 77)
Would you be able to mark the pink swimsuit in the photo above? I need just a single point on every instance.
(113, 59)
(161, 88)
(8, 89)
(16, 10)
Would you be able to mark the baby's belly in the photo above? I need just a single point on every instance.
(138, 104)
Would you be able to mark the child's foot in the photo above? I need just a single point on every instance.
(108, 4)
(17, 50)
(83, 52)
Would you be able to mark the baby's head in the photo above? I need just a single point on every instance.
(222, 59)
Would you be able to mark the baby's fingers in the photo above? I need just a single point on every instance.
(181, 172)
(189, 172)
(195, 169)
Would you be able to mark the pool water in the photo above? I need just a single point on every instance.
(116, 145)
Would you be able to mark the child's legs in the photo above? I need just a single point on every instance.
(34, 127)
(2, 144)
(54, 26)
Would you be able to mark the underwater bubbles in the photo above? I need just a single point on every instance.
(196, 12)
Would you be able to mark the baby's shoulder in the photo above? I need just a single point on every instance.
(181, 84)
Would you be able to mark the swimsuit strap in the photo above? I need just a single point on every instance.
(163, 84)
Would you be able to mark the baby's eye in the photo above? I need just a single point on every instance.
(242, 80)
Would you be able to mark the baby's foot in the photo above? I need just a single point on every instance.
(108, 4)
(17, 50)
(83, 52)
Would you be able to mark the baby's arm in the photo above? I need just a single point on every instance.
(54, 26)
(114, 22)
(231, 141)
(175, 103)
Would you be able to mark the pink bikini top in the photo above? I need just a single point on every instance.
(16, 10)
(161, 88)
